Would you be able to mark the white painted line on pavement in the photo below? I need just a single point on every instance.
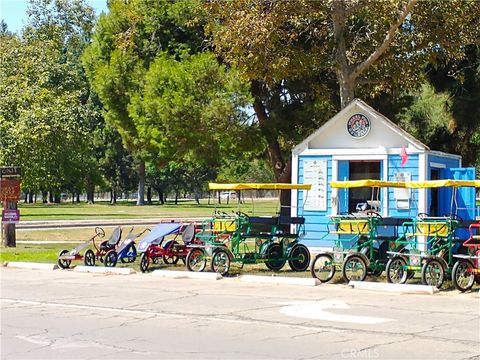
(173, 274)
(317, 310)
(279, 280)
(103, 270)
(188, 317)
(400, 288)
(31, 265)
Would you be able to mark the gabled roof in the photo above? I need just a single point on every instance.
(368, 110)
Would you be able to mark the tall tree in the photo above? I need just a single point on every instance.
(192, 109)
(114, 160)
(367, 47)
(126, 41)
(461, 80)
(426, 116)
(168, 97)
(44, 118)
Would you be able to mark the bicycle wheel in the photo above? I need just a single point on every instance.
(323, 267)
(433, 273)
(354, 269)
(397, 272)
(196, 260)
(463, 276)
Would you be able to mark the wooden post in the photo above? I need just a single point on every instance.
(9, 234)
(10, 191)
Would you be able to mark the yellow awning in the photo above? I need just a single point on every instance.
(443, 183)
(253, 186)
(406, 184)
(366, 183)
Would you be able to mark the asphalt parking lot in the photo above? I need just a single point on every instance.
(68, 315)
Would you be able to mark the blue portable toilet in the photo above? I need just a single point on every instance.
(360, 143)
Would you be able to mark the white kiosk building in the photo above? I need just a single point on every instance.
(360, 143)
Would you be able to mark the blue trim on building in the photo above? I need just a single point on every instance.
(315, 221)
(395, 166)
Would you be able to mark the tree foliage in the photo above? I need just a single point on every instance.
(427, 117)
(360, 42)
(457, 92)
(169, 99)
(44, 115)
(126, 41)
(192, 109)
(363, 47)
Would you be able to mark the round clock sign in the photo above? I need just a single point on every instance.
(358, 126)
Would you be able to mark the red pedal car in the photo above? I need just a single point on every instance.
(156, 245)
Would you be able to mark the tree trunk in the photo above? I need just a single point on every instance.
(113, 196)
(78, 198)
(347, 89)
(149, 195)
(90, 190)
(281, 169)
(160, 196)
(343, 69)
(141, 183)
(30, 197)
(50, 197)
(274, 151)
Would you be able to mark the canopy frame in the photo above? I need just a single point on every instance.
(261, 186)
(428, 184)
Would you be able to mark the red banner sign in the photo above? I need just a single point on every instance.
(10, 216)
(10, 190)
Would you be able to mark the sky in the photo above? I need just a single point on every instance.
(14, 12)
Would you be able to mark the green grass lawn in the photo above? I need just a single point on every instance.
(45, 253)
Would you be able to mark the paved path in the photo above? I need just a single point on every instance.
(66, 315)
(57, 224)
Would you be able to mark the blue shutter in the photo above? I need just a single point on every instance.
(465, 199)
(343, 174)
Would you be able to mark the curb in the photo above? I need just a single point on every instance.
(187, 275)
(279, 280)
(30, 265)
(399, 288)
(103, 270)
